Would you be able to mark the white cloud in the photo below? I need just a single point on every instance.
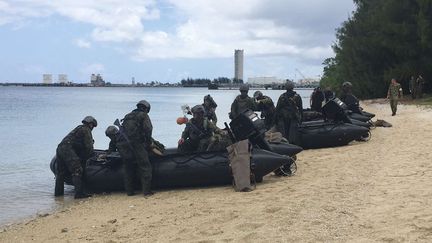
(303, 30)
(82, 43)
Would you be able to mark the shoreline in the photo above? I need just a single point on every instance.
(373, 191)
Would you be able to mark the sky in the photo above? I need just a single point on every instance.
(166, 40)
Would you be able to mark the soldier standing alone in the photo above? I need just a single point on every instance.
(132, 144)
(394, 93)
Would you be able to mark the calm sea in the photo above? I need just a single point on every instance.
(33, 120)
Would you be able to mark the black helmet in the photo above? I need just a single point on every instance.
(145, 104)
(89, 119)
(244, 87)
(347, 84)
(198, 109)
(257, 94)
(111, 131)
(289, 85)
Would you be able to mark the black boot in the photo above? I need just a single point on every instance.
(147, 190)
(59, 186)
(79, 193)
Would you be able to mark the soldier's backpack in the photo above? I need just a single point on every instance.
(239, 157)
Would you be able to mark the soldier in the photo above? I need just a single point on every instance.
(394, 93)
(111, 132)
(289, 111)
(72, 153)
(266, 106)
(242, 102)
(349, 99)
(413, 87)
(210, 109)
(132, 144)
(328, 94)
(316, 99)
(198, 135)
(420, 82)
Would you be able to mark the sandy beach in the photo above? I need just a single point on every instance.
(375, 191)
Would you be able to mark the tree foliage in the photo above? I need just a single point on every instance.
(382, 40)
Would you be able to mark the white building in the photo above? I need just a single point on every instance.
(257, 81)
(238, 64)
(63, 78)
(47, 78)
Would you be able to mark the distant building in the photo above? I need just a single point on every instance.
(133, 81)
(260, 81)
(47, 78)
(308, 81)
(238, 64)
(63, 78)
(97, 80)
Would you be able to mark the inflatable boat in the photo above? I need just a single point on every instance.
(322, 134)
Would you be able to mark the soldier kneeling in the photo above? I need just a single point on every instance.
(199, 133)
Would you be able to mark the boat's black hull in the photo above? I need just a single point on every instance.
(179, 170)
(320, 134)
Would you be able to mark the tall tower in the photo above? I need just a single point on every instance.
(238, 65)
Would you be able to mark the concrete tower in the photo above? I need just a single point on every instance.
(238, 64)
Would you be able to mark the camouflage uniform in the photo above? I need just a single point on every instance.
(413, 87)
(289, 111)
(240, 105)
(210, 113)
(420, 82)
(74, 150)
(72, 154)
(317, 97)
(198, 136)
(266, 106)
(112, 147)
(352, 102)
(394, 93)
(132, 144)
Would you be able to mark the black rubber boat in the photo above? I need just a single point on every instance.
(336, 130)
(320, 134)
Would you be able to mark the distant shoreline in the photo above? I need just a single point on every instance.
(127, 86)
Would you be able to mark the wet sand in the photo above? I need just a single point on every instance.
(380, 190)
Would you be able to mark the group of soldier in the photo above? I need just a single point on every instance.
(394, 94)
(133, 139)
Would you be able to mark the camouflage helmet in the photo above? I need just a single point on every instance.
(144, 103)
(210, 101)
(111, 131)
(289, 85)
(347, 84)
(257, 94)
(244, 87)
(198, 109)
(88, 120)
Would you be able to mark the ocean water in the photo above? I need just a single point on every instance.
(33, 120)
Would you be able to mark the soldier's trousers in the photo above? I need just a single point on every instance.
(135, 157)
(288, 128)
(393, 105)
(68, 160)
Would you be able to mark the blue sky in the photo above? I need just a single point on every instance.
(165, 40)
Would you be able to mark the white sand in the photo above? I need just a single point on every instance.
(380, 190)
